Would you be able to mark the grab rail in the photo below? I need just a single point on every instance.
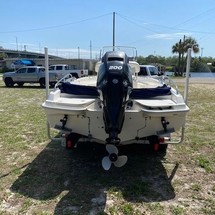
(170, 83)
(65, 78)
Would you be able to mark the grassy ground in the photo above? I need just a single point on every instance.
(38, 176)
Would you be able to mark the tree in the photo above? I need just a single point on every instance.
(181, 48)
(2, 56)
(178, 48)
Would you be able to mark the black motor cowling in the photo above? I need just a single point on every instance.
(114, 84)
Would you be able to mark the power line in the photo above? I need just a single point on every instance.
(135, 23)
(167, 27)
(194, 17)
(54, 26)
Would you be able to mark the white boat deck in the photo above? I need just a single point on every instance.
(138, 82)
(153, 103)
(75, 102)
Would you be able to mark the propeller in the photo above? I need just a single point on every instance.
(113, 157)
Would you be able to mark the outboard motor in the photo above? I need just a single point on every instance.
(114, 84)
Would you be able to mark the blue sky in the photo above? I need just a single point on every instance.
(151, 26)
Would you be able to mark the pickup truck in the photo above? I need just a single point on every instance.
(29, 74)
(148, 70)
(63, 69)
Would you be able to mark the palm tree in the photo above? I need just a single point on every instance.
(178, 48)
(181, 48)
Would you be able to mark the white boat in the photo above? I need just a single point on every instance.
(117, 107)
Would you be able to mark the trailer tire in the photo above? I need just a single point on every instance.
(162, 149)
(71, 140)
(157, 148)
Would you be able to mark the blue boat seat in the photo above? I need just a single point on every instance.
(137, 93)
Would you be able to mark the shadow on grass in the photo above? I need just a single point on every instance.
(80, 175)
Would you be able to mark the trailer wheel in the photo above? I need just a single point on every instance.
(162, 149)
(156, 147)
(9, 82)
(71, 140)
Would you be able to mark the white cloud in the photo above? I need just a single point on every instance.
(168, 36)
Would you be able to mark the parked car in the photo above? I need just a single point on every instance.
(63, 69)
(148, 70)
(29, 74)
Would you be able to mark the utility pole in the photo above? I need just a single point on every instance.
(113, 31)
(79, 63)
(202, 52)
(90, 49)
(78, 52)
(16, 44)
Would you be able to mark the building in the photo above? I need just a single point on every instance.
(10, 56)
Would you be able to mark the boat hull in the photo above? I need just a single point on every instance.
(140, 121)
